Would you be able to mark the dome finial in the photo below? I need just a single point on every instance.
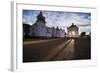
(72, 23)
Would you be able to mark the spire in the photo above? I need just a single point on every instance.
(40, 17)
(57, 28)
(41, 13)
(72, 24)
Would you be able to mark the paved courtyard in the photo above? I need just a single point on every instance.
(56, 49)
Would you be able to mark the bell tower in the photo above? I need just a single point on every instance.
(41, 18)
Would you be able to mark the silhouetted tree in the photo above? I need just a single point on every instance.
(83, 34)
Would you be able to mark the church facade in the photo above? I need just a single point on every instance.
(73, 31)
(39, 29)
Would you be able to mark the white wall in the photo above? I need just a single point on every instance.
(5, 36)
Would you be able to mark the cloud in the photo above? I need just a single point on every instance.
(61, 19)
(82, 25)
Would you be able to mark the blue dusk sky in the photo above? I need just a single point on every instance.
(60, 19)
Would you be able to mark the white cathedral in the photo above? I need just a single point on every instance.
(39, 29)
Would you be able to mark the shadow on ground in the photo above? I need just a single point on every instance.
(82, 48)
(39, 52)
